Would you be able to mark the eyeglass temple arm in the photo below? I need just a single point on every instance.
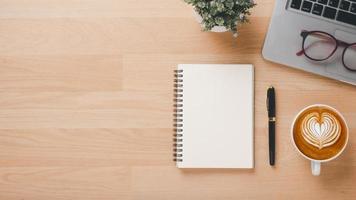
(302, 51)
(299, 53)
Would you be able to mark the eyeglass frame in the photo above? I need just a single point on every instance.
(304, 34)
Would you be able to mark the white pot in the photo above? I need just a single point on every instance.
(217, 29)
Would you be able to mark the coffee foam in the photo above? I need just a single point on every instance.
(320, 129)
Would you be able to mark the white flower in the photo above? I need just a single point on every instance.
(242, 16)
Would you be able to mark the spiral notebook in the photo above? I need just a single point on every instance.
(214, 120)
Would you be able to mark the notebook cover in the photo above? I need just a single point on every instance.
(216, 124)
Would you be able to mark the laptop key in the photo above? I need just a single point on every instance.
(329, 13)
(296, 4)
(353, 8)
(334, 3)
(325, 2)
(345, 5)
(307, 6)
(317, 9)
(346, 17)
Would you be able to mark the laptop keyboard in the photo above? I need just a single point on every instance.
(343, 11)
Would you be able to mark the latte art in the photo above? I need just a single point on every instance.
(321, 129)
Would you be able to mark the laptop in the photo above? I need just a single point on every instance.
(302, 35)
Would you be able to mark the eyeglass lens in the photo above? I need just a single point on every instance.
(319, 46)
(350, 57)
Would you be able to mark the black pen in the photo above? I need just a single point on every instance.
(271, 109)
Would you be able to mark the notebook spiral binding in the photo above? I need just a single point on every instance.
(178, 116)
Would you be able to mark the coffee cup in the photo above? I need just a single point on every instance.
(320, 134)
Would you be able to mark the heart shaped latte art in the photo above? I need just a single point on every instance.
(321, 129)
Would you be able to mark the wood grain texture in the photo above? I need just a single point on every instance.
(86, 105)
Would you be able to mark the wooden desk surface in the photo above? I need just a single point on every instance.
(86, 105)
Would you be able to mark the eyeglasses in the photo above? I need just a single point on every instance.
(320, 46)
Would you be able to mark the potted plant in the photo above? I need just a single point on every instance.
(221, 15)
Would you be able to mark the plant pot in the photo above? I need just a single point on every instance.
(216, 29)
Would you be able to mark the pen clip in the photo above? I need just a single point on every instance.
(267, 101)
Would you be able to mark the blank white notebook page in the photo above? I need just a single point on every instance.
(218, 106)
